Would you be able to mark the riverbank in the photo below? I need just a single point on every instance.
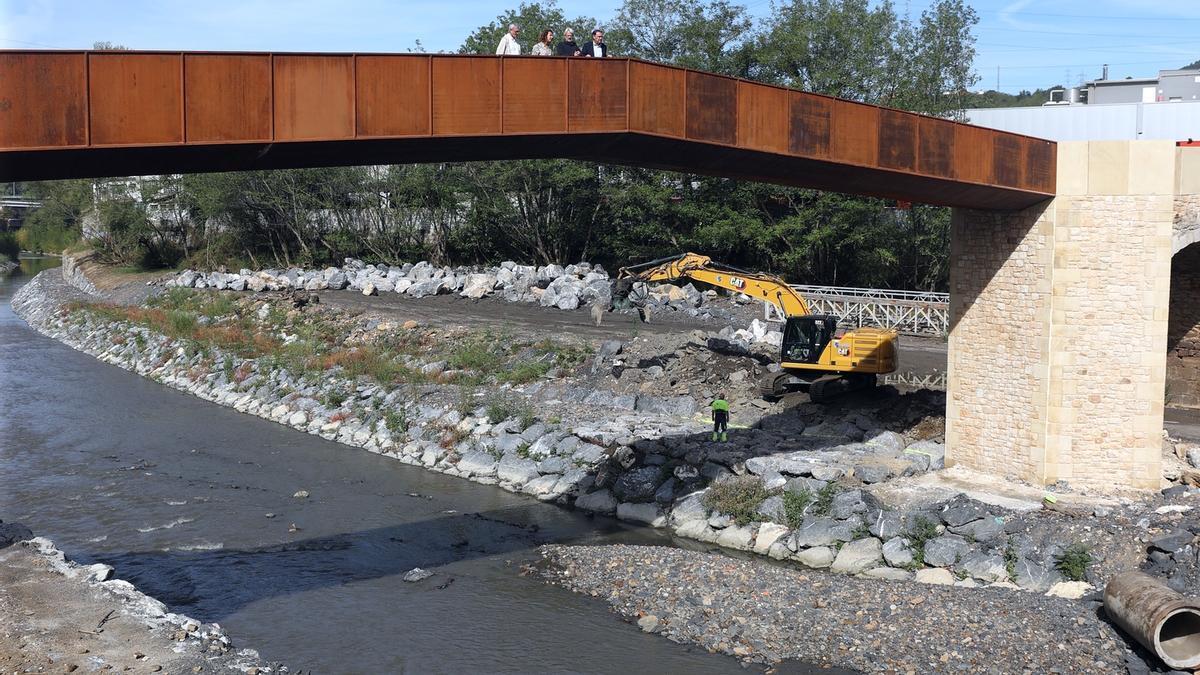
(657, 469)
(58, 616)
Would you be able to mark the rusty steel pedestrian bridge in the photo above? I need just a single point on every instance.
(91, 114)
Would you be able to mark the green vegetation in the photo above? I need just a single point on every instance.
(1010, 559)
(824, 499)
(1073, 561)
(9, 248)
(501, 407)
(922, 530)
(319, 342)
(566, 210)
(737, 497)
(795, 503)
(397, 420)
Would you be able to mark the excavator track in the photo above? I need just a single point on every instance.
(829, 388)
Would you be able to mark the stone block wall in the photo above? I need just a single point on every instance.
(1060, 325)
(999, 335)
(1111, 284)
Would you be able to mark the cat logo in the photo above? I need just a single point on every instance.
(843, 349)
(737, 282)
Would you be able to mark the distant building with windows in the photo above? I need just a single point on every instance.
(1170, 86)
(1166, 107)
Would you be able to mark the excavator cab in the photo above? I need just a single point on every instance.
(805, 337)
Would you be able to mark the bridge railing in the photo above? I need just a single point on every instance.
(910, 312)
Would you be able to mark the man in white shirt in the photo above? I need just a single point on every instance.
(508, 44)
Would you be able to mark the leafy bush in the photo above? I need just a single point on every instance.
(795, 504)
(397, 420)
(1073, 562)
(502, 407)
(738, 497)
(824, 499)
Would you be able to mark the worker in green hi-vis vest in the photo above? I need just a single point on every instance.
(720, 417)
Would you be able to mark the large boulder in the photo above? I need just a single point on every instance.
(600, 501)
(818, 557)
(517, 470)
(477, 464)
(897, 552)
(639, 485)
(858, 556)
(820, 532)
(683, 406)
(478, 285)
(946, 550)
(425, 288)
(932, 449)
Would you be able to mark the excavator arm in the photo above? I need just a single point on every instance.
(764, 287)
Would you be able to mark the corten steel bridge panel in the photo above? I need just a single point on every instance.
(93, 114)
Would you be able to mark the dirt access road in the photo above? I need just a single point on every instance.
(918, 355)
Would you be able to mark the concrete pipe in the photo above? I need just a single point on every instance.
(1164, 621)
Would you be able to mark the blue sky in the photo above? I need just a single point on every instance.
(1033, 42)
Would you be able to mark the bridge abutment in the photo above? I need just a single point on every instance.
(1058, 323)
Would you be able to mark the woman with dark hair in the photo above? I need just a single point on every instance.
(543, 48)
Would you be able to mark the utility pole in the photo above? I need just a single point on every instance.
(997, 78)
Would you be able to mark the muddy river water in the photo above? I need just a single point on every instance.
(194, 504)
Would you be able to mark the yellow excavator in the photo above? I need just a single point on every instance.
(814, 353)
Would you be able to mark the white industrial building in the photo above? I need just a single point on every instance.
(1165, 108)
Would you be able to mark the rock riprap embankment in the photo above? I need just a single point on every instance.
(795, 487)
(767, 614)
(566, 287)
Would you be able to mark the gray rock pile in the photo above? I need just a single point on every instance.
(564, 287)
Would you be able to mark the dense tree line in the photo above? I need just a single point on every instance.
(565, 210)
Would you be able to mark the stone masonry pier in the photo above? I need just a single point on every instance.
(1058, 327)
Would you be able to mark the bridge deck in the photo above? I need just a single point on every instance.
(89, 114)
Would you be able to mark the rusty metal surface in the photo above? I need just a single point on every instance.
(385, 109)
(466, 95)
(135, 99)
(58, 110)
(228, 97)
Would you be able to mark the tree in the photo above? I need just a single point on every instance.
(532, 18)
(710, 36)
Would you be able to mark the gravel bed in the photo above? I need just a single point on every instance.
(767, 613)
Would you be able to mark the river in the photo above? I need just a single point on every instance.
(193, 503)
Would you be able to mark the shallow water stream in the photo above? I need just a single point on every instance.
(194, 504)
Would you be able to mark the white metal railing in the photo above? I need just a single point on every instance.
(935, 380)
(912, 312)
(19, 202)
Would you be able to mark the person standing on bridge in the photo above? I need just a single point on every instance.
(508, 44)
(543, 46)
(568, 47)
(720, 417)
(596, 47)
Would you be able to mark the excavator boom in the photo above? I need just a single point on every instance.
(763, 287)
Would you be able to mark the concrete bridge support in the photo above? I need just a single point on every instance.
(1058, 321)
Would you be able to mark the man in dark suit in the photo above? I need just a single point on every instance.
(596, 47)
(567, 47)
